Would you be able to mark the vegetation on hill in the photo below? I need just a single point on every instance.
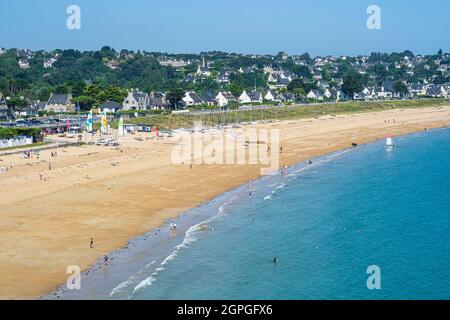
(97, 76)
(175, 121)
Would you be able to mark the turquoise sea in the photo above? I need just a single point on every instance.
(326, 223)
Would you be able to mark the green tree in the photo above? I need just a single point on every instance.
(112, 93)
(235, 89)
(233, 105)
(174, 97)
(353, 83)
(85, 103)
(16, 104)
(400, 87)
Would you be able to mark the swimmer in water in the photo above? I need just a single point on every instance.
(275, 260)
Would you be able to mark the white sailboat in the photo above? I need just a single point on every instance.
(389, 143)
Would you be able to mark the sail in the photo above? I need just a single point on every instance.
(121, 129)
(389, 141)
(89, 121)
(104, 123)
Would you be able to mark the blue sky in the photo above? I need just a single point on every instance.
(247, 26)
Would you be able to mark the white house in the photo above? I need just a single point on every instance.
(136, 100)
(272, 96)
(244, 98)
(192, 99)
(252, 97)
(224, 98)
(48, 63)
(24, 64)
(315, 94)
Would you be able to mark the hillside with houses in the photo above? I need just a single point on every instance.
(59, 81)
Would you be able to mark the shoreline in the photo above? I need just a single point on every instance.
(190, 221)
(369, 135)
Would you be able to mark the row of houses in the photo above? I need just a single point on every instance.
(385, 91)
(140, 101)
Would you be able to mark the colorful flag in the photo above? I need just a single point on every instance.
(104, 126)
(89, 121)
(121, 129)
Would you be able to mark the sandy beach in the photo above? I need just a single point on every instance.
(116, 193)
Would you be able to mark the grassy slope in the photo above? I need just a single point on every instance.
(284, 113)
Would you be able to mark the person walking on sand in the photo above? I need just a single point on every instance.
(92, 243)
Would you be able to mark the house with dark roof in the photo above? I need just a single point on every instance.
(272, 96)
(251, 97)
(437, 91)
(288, 97)
(385, 91)
(417, 90)
(208, 98)
(192, 99)
(279, 82)
(315, 94)
(158, 101)
(32, 109)
(224, 98)
(60, 103)
(110, 107)
(136, 100)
